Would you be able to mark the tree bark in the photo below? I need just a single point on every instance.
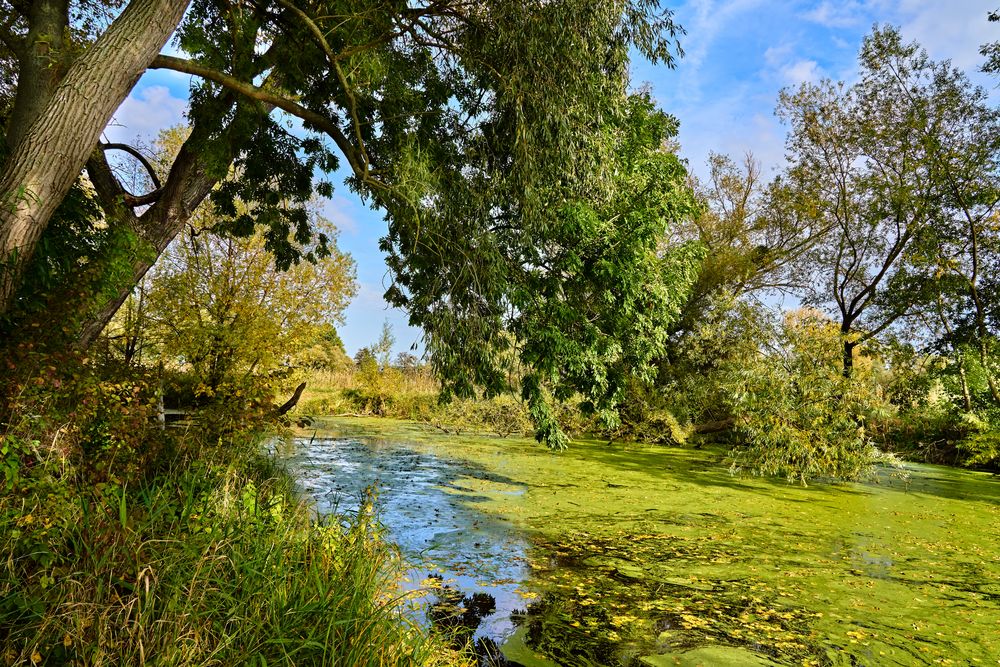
(186, 187)
(293, 401)
(40, 65)
(57, 143)
(849, 358)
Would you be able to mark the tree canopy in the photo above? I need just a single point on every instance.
(519, 177)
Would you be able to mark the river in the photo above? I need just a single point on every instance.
(633, 555)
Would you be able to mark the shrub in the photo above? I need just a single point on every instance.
(797, 413)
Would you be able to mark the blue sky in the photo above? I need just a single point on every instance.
(739, 55)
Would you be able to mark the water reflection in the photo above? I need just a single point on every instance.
(466, 565)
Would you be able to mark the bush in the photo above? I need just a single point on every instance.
(797, 413)
(125, 544)
(501, 415)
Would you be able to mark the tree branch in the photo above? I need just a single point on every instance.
(14, 42)
(317, 120)
(341, 77)
(110, 193)
(138, 156)
(133, 200)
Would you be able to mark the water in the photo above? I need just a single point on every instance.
(455, 550)
(634, 555)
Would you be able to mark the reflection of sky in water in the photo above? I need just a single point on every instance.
(427, 512)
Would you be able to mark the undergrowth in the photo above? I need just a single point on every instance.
(203, 555)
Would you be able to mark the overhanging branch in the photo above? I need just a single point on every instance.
(317, 120)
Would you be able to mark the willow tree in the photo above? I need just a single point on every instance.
(518, 177)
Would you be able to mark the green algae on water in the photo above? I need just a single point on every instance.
(644, 554)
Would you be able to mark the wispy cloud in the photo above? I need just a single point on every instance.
(341, 211)
(836, 14)
(144, 113)
(707, 19)
(801, 71)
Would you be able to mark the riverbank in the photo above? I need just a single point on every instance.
(210, 558)
(646, 554)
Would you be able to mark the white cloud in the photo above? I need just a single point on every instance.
(840, 43)
(709, 18)
(776, 55)
(726, 126)
(144, 113)
(801, 71)
(836, 14)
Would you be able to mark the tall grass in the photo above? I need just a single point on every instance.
(387, 392)
(213, 561)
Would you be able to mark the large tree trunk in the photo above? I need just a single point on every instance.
(40, 65)
(57, 143)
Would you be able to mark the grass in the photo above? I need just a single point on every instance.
(388, 392)
(213, 561)
(413, 395)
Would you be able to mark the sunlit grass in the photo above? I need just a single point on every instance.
(207, 564)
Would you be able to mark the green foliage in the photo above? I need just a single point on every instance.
(981, 448)
(511, 202)
(523, 217)
(587, 306)
(218, 308)
(123, 542)
(798, 414)
(325, 353)
(376, 387)
(81, 262)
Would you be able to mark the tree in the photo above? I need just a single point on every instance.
(869, 168)
(991, 50)
(62, 103)
(800, 417)
(407, 363)
(382, 349)
(498, 138)
(750, 241)
(326, 352)
(226, 313)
